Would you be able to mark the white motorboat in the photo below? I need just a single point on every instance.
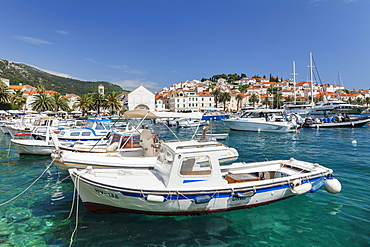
(21, 125)
(189, 122)
(214, 136)
(188, 179)
(125, 151)
(122, 144)
(269, 120)
(95, 129)
(35, 144)
(185, 114)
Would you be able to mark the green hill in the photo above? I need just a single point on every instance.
(25, 74)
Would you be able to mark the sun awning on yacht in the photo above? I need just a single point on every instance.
(139, 114)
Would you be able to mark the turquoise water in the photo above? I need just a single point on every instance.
(39, 217)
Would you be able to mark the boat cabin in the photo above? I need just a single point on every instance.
(94, 129)
(266, 114)
(190, 164)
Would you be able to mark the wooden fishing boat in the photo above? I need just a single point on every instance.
(188, 179)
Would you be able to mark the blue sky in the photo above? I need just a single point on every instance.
(156, 43)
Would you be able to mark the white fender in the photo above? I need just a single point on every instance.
(301, 189)
(112, 147)
(298, 188)
(333, 185)
(154, 198)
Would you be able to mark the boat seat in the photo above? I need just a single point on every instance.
(241, 178)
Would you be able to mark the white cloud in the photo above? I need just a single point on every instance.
(91, 60)
(58, 73)
(62, 32)
(132, 84)
(54, 73)
(31, 40)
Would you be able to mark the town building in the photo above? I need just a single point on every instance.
(141, 99)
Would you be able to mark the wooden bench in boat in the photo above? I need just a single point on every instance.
(241, 178)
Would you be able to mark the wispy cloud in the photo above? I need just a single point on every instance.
(132, 84)
(91, 60)
(62, 32)
(54, 72)
(31, 40)
(58, 74)
(127, 69)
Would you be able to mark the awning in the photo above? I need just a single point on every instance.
(139, 114)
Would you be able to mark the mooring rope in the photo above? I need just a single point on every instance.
(77, 189)
(46, 187)
(8, 201)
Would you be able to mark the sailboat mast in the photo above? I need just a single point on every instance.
(294, 83)
(340, 83)
(311, 78)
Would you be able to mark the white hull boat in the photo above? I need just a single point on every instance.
(188, 123)
(214, 136)
(188, 179)
(34, 143)
(35, 147)
(135, 158)
(265, 120)
(96, 129)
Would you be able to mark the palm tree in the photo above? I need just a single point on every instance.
(266, 101)
(224, 97)
(253, 99)
(60, 102)
(216, 95)
(18, 98)
(98, 101)
(40, 89)
(288, 99)
(359, 101)
(4, 93)
(113, 101)
(367, 101)
(239, 99)
(43, 102)
(83, 103)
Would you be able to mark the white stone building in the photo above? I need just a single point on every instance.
(141, 99)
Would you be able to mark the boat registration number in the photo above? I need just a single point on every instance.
(107, 194)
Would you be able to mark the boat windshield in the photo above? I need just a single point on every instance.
(98, 125)
(165, 159)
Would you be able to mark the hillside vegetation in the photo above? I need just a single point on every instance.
(25, 74)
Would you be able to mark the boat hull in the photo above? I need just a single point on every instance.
(348, 124)
(101, 160)
(214, 117)
(130, 159)
(246, 125)
(103, 198)
(34, 147)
